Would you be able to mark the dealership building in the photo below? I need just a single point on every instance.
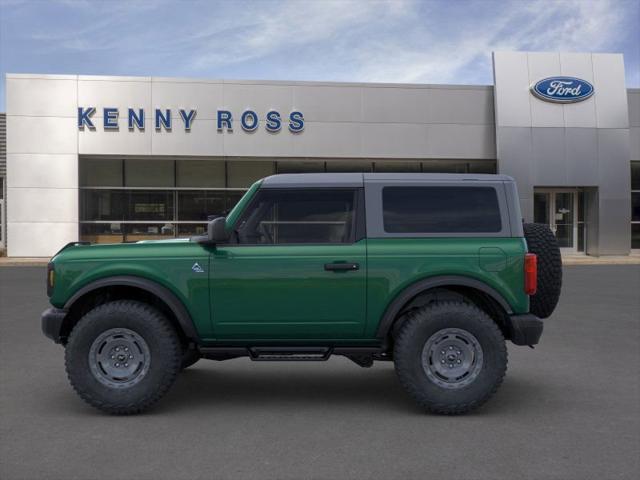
(117, 159)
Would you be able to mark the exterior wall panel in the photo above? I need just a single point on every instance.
(582, 156)
(611, 97)
(44, 170)
(566, 149)
(42, 97)
(118, 141)
(581, 114)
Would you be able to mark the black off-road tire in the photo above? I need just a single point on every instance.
(142, 321)
(189, 357)
(542, 242)
(416, 334)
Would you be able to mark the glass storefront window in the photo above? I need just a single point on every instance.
(582, 224)
(541, 207)
(200, 173)
(200, 204)
(233, 197)
(635, 175)
(102, 232)
(191, 229)
(635, 206)
(241, 174)
(149, 173)
(397, 167)
(443, 166)
(348, 166)
(635, 235)
(129, 199)
(98, 205)
(482, 167)
(135, 232)
(150, 205)
(286, 166)
(101, 172)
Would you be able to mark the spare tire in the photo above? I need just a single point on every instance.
(542, 242)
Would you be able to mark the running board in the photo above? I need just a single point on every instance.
(363, 356)
(290, 354)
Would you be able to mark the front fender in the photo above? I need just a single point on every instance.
(176, 306)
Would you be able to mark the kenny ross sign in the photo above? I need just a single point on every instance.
(162, 119)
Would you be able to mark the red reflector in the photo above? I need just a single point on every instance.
(530, 273)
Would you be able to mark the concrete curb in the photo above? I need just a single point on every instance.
(612, 260)
(23, 262)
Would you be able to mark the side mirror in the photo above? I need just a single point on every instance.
(217, 230)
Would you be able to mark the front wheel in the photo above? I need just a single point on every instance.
(451, 357)
(123, 356)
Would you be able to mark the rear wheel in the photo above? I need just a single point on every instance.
(123, 356)
(450, 356)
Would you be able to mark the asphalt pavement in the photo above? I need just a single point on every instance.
(570, 409)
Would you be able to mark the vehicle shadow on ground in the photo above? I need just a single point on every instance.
(376, 389)
(252, 387)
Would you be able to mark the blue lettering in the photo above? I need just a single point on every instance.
(249, 120)
(84, 117)
(274, 124)
(187, 118)
(136, 120)
(110, 117)
(296, 122)
(163, 120)
(225, 119)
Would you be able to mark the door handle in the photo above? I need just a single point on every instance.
(341, 267)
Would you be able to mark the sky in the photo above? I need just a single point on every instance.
(403, 41)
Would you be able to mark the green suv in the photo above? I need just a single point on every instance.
(431, 271)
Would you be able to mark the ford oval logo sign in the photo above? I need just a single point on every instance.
(562, 89)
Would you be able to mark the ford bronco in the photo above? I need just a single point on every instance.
(431, 271)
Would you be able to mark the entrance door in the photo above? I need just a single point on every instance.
(558, 209)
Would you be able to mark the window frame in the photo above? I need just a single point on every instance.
(356, 234)
(374, 212)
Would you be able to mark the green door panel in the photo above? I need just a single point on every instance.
(284, 292)
(394, 264)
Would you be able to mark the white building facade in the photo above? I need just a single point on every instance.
(112, 159)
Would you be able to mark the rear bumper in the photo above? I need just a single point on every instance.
(52, 319)
(525, 329)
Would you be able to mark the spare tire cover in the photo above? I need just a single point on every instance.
(541, 241)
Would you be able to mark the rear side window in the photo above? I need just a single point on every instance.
(440, 210)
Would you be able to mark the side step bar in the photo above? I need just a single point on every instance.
(290, 354)
(363, 356)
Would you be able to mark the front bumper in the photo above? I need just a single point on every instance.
(525, 329)
(52, 320)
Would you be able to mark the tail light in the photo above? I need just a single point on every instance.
(530, 273)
